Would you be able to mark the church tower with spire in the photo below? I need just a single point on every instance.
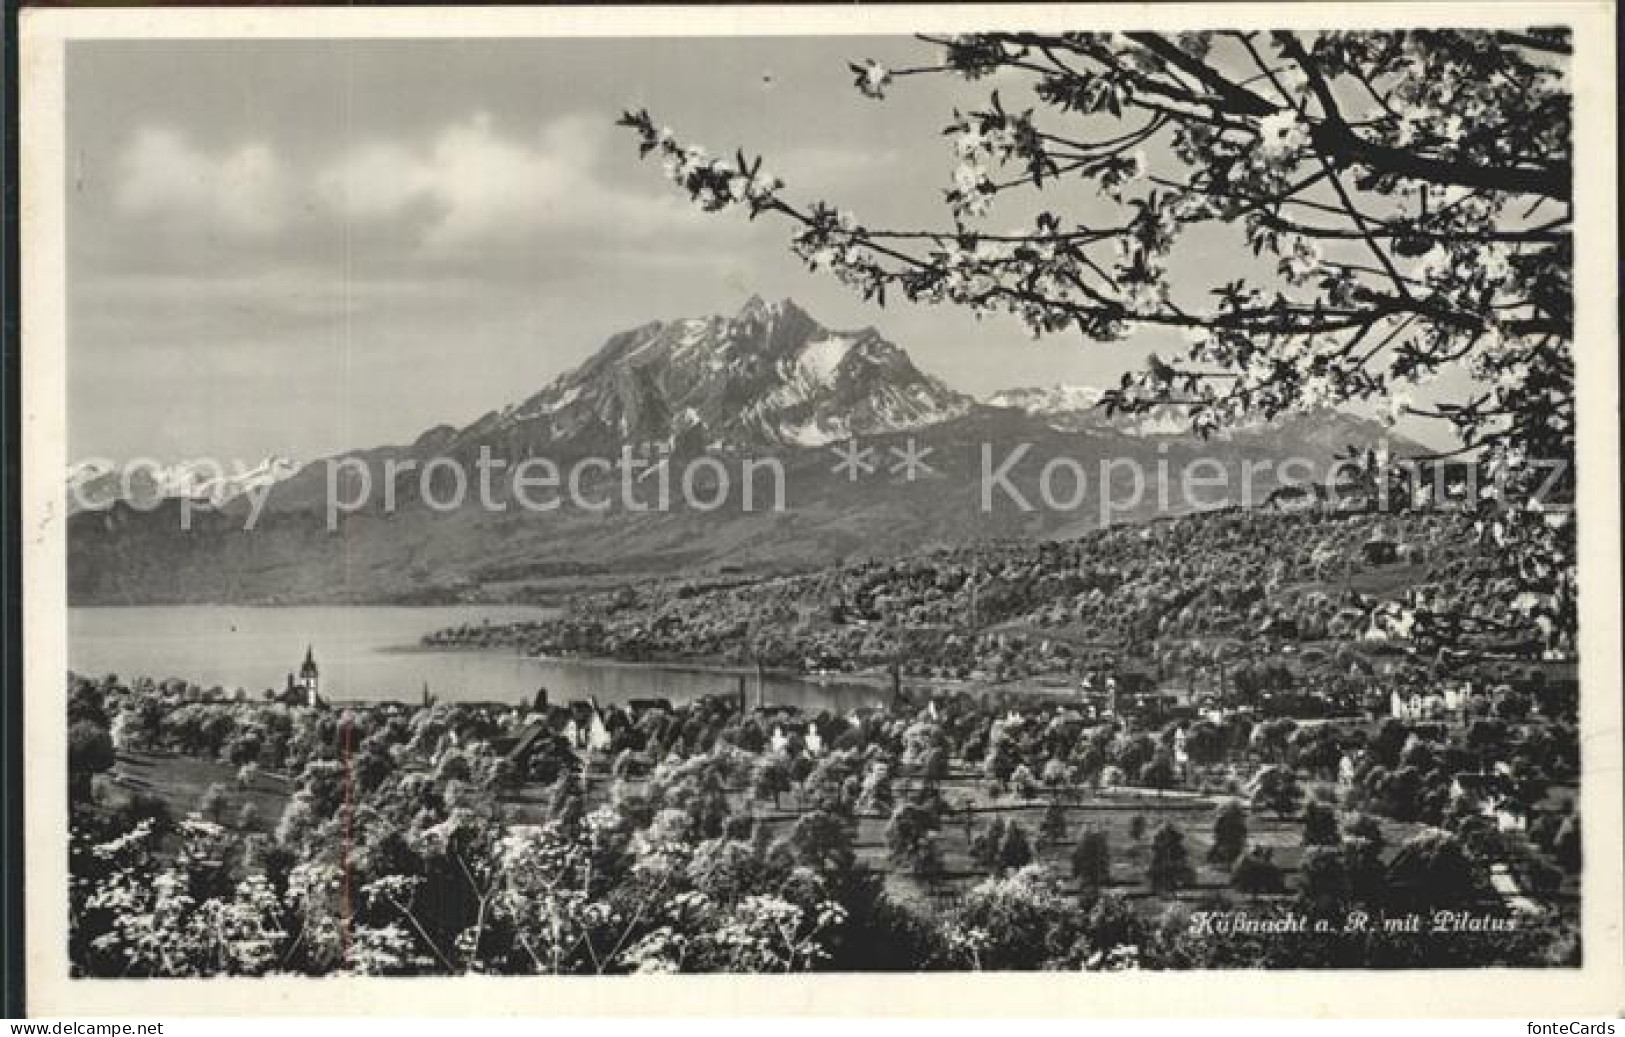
(310, 678)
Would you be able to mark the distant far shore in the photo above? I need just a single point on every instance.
(869, 679)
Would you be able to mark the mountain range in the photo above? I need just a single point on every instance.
(95, 485)
(767, 382)
(768, 376)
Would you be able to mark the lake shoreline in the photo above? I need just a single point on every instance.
(873, 680)
(376, 653)
(705, 666)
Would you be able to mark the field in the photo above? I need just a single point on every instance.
(180, 781)
(1111, 811)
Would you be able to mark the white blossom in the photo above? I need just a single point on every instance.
(873, 79)
(1302, 263)
(1281, 134)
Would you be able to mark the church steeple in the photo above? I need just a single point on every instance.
(310, 677)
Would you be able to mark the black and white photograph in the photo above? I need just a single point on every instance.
(1056, 493)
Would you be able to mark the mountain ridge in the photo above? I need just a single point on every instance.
(97, 484)
(770, 376)
(768, 381)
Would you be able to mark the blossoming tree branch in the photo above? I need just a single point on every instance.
(1393, 203)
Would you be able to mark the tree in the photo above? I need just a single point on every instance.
(934, 765)
(985, 844)
(243, 748)
(1362, 859)
(373, 764)
(1420, 755)
(1483, 736)
(453, 766)
(1511, 705)
(1026, 785)
(1019, 920)
(1132, 754)
(1229, 833)
(908, 833)
(1205, 744)
(823, 841)
(1319, 826)
(1324, 886)
(1430, 871)
(1388, 743)
(1136, 827)
(214, 802)
(1274, 737)
(1366, 827)
(1160, 772)
(134, 727)
(503, 773)
(1397, 795)
(770, 778)
(1317, 751)
(90, 751)
(877, 795)
(1276, 788)
(1407, 194)
(1091, 761)
(926, 862)
(749, 736)
(1052, 828)
(1170, 867)
(86, 702)
(1001, 759)
(1092, 862)
(1015, 849)
(1391, 205)
(1256, 873)
(1056, 775)
(175, 922)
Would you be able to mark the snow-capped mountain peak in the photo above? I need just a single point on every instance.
(97, 484)
(81, 473)
(771, 375)
(1047, 400)
(1076, 408)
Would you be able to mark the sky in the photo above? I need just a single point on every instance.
(296, 248)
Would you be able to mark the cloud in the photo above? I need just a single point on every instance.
(472, 184)
(457, 190)
(242, 191)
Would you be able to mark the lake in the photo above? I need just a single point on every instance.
(371, 652)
